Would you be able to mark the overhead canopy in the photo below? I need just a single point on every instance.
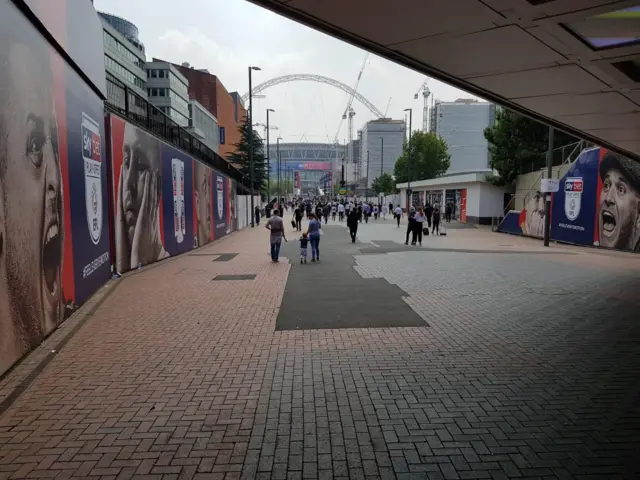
(560, 61)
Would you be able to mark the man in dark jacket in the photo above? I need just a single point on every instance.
(410, 226)
(352, 224)
(429, 213)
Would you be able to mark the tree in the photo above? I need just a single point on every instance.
(429, 158)
(518, 144)
(384, 184)
(286, 186)
(241, 155)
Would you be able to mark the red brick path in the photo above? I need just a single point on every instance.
(164, 379)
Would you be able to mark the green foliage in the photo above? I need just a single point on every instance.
(241, 155)
(384, 184)
(286, 186)
(429, 158)
(518, 144)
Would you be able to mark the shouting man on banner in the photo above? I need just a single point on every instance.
(619, 205)
(31, 220)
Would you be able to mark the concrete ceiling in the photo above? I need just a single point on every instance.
(535, 59)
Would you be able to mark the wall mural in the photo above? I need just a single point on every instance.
(598, 204)
(54, 230)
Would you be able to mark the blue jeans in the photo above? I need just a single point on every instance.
(275, 250)
(315, 246)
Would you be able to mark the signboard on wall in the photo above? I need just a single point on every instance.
(223, 136)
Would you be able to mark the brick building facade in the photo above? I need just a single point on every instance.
(226, 107)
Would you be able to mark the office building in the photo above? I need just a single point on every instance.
(461, 124)
(203, 125)
(168, 90)
(226, 107)
(124, 56)
(382, 139)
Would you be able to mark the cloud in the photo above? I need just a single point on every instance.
(228, 62)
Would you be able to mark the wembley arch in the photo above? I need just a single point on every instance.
(306, 77)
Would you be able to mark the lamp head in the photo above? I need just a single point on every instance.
(255, 68)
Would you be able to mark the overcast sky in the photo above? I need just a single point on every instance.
(226, 36)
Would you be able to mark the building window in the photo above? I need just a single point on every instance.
(154, 73)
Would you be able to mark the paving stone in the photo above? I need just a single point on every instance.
(517, 369)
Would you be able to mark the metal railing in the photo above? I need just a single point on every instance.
(574, 153)
(137, 110)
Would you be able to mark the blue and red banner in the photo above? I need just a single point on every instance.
(597, 204)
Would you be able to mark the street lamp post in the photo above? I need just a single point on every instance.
(366, 191)
(251, 144)
(409, 194)
(268, 157)
(278, 156)
(381, 163)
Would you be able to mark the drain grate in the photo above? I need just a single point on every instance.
(225, 257)
(248, 276)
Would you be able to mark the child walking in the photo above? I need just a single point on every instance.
(304, 243)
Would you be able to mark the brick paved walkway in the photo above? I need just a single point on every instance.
(528, 369)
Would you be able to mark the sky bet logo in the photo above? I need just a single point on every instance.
(573, 185)
(91, 148)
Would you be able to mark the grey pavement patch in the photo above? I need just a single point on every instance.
(225, 257)
(387, 246)
(457, 225)
(331, 294)
(204, 254)
(248, 276)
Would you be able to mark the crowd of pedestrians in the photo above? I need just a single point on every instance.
(420, 221)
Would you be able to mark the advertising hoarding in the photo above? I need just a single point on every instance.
(53, 188)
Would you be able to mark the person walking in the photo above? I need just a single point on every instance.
(385, 211)
(410, 219)
(376, 211)
(275, 225)
(352, 224)
(313, 231)
(326, 212)
(398, 214)
(428, 214)
(298, 213)
(256, 212)
(436, 219)
(304, 242)
(340, 212)
(447, 212)
(418, 225)
(334, 210)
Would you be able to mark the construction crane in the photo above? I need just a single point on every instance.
(425, 106)
(388, 105)
(348, 108)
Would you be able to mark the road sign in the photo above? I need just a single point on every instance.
(549, 185)
(342, 191)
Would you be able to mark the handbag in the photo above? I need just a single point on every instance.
(425, 230)
(293, 223)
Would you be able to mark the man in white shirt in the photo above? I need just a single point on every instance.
(340, 212)
(398, 213)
